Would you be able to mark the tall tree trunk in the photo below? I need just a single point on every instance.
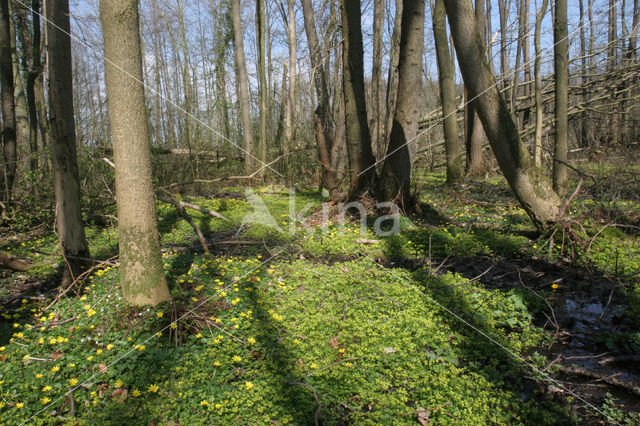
(530, 187)
(66, 181)
(561, 75)
(19, 60)
(583, 77)
(8, 103)
(322, 115)
(242, 84)
(262, 83)
(395, 180)
(537, 144)
(504, 65)
(474, 134)
(446, 81)
(141, 270)
(291, 98)
(392, 76)
(361, 161)
(376, 78)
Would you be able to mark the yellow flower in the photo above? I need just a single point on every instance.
(19, 404)
(199, 335)
(248, 385)
(118, 383)
(555, 286)
(204, 403)
(55, 368)
(73, 381)
(89, 358)
(135, 393)
(251, 340)
(218, 406)
(153, 388)
(91, 313)
(159, 314)
(2, 348)
(46, 400)
(216, 363)
(313, 366)
(110, 346)
(38, 375)
(174, 325)
(98, 351)
(46, 388)
(52, 341)
(236, 358)
(71, 365)
(158, 334)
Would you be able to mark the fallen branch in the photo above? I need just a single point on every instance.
(182, 212)
(611, 380)
(11, 262)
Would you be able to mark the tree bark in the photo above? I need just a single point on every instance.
(291, 95)
(447, 94)
(537, 144)
(66, 181)
(8, 103)
(262, 80)
(322, 115)
(530, 187)
(561, 75)
(395, 179)
(141, 270)
(361, 161)
(376, 80)
(242, 84)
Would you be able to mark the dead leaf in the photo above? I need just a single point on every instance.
(56, 355)
(333, 342)
(423, 416)
(102, 367)
(121, 394)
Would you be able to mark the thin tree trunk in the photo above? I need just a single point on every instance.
(242, 84)
(141, 270)
(392, 77)
(530, 187)
(537, 144)
(561, 75)
(8, 103)
(376, 78)
(66, 180)
(446, 81)
(395, 180)
(262, 83)
(361, 161)
(291, 98)
(19, 61)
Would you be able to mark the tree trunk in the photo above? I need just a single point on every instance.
(395, 179)
(537, 144)
(531, 188)
(262, 86)
(392, 76)
(8, 103)
(322, 114)
(242, 84)
(474, 134)
(361, 161)
(376, 80)
(141, 269)
(561, 75)
(22, 112)
(291, 98)
(446, 80)
(66, 181)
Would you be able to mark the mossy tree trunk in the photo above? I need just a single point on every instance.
(531, 188)
(141, 270)
(66, 181)
(8, 104)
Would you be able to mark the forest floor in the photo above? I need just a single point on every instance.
(467, 316)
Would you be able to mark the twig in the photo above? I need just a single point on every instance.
(315, 395)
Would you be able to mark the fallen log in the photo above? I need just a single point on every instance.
(607, 378)
(11, 262)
